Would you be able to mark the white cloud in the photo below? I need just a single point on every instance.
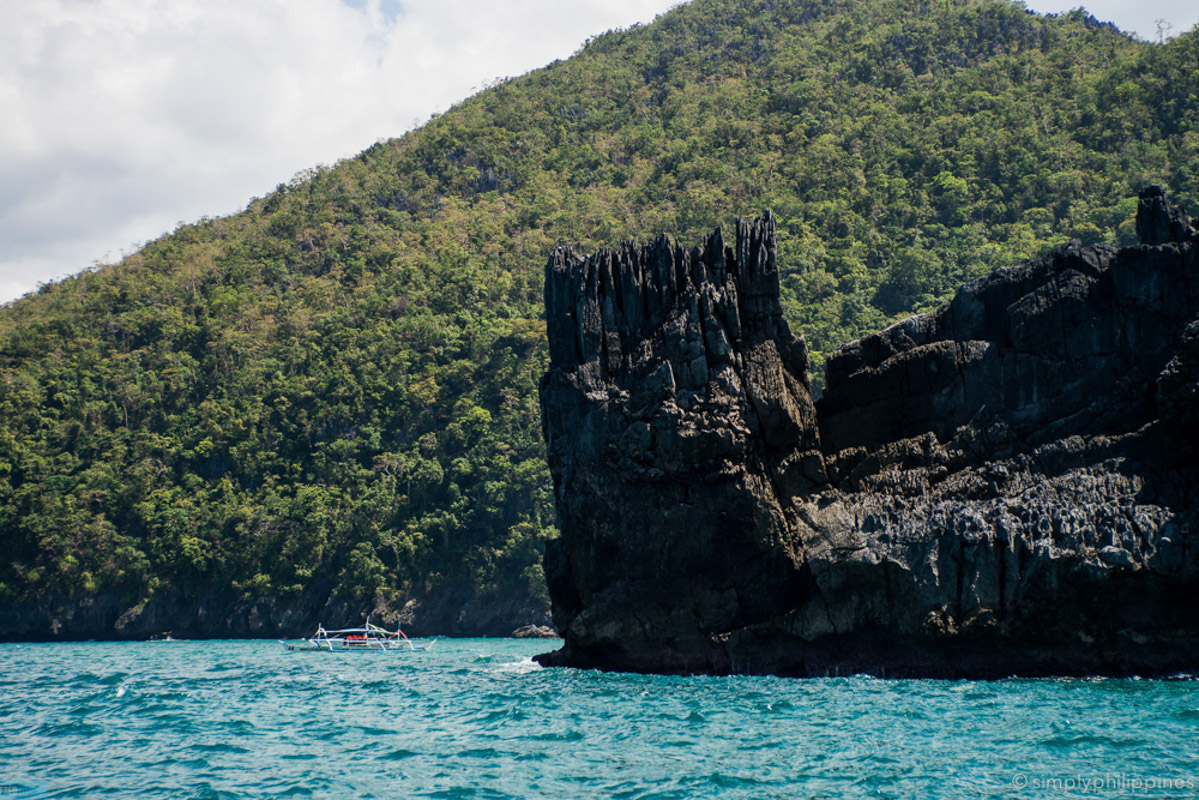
(123, 117)
(1132, 17)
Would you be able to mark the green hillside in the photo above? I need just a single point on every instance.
(337, 387)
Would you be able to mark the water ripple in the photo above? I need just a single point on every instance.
(480, 719)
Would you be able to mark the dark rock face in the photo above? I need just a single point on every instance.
(675, 398)
(1006, 486)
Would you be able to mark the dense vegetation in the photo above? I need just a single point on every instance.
(337, 387)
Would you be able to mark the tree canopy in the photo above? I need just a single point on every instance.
(337, 387)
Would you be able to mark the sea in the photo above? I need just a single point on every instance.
(477, 718)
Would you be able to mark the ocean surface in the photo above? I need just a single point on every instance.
(476, 718)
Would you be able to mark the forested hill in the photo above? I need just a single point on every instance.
(333, 393)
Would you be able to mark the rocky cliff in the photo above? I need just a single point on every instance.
(1008, 485)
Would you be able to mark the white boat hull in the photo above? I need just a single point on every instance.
(370, 639)
(330, 646)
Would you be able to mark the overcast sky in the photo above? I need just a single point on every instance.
(121, 118)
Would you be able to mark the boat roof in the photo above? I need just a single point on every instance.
(368, 629)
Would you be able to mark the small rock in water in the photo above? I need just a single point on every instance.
(534, 632)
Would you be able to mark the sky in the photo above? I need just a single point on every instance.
(124, 118)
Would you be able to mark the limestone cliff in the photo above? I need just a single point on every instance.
(1005, 486)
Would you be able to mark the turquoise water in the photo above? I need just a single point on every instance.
(476, 718)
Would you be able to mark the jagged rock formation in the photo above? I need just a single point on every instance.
(674, 399)
(1006, 486)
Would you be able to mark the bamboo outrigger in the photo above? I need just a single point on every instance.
(369, 639)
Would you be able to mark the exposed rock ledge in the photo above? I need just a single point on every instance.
(1006, 486)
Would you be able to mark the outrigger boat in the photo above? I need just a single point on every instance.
(371, 639)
